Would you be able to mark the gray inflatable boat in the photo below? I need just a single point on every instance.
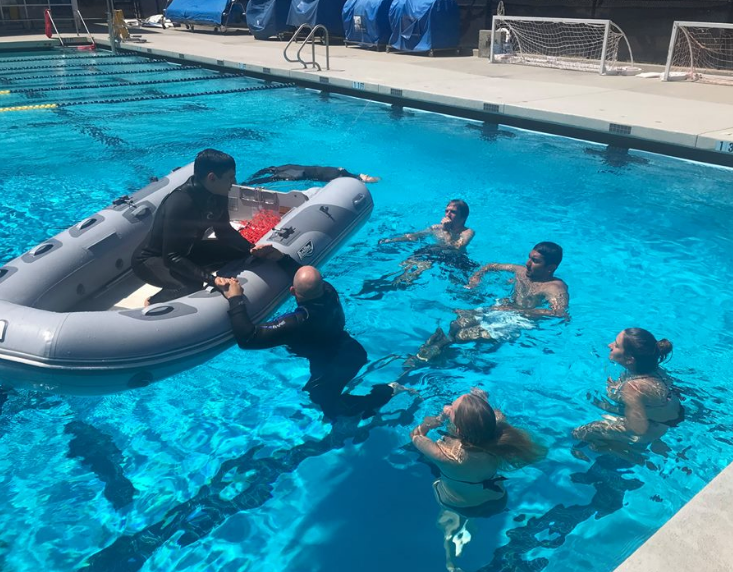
(71, 312)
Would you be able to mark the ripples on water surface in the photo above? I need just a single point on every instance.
(227, 466)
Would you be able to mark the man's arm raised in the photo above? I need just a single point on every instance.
(492, 267)
(463, 240)
(409, 237)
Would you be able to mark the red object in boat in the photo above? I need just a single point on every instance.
(262, 223)
(47, 20)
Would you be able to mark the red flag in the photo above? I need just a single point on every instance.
(47, 18)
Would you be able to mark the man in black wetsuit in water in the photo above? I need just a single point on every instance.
(175, 256)
(315, 330)
(304, 173)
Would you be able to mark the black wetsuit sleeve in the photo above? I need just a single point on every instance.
(278, 332)
(345, 173)
(316, 173)
(179, 236)
(225, 232)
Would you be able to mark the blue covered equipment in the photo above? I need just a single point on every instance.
(268, 18)
(217, 13)
(424, 25)
(366, 22)
(324, 12)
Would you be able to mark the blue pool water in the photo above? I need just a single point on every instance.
(227, 467)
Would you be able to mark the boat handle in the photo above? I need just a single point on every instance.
(157, 310)
(86, 223)
(44, 248)
(141, 212)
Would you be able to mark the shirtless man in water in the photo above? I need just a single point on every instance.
(452, 230)
(450, 234)
(535, 285)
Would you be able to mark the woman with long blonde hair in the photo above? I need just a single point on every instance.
(481, 443)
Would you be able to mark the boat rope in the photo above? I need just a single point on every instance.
(90, 74)
(148, 97)
(128, 84)
(31, 68)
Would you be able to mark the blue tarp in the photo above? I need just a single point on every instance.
(267, 18)
(313, 12)
(424, 25)
(205, 12)
(367, 22)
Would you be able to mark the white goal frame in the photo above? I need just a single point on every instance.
(703, 74)
(606, 64)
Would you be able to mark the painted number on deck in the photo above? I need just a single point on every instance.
(725, 146)
(358, 85)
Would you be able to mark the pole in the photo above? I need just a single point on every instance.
(110, 26)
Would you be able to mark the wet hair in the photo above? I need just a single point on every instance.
(212, 161)
(551, 252)
(647, 352)
(462, 207)
(478, 428)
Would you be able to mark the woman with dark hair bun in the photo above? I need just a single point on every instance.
(643, 398)
(480, 444)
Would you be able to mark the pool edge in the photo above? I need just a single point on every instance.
(699, 147)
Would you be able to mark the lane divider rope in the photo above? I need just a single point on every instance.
(61, 58)
(91, 74)
(28, 107)
(147, 97)
(128, 84)
(32, 68)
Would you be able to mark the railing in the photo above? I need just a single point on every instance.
(77, 18)
(83, 23)
(309, 39)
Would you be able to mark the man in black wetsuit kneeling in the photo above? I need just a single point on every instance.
(175, 256)
(304, 173)
(315, 330)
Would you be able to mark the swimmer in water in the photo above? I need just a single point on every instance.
(481, 443)
(643, 402)
(535, 285)
(304, 173)
(314, 330)
(451, 235)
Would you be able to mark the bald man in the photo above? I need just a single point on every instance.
(315, 330)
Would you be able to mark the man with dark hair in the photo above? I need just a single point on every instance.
(535, 285)
(451, 231)
(174, 256)
(304, 173)
(315, 330)
(451, 236)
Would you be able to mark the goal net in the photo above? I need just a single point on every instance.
(584, 45)
(700, 51)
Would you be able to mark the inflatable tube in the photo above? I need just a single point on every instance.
(66, 323)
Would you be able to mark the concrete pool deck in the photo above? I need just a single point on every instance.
(687, 119)
(691, 118)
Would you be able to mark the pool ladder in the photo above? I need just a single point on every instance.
(77, 18)
(310, 39)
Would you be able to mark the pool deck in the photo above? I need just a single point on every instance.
(682, 118)
(698, 537)
(686, 119)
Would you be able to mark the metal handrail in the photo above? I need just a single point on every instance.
(310, 38)
(55, 29)
(89, 35)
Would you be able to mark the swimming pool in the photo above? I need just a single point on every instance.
(228, 467)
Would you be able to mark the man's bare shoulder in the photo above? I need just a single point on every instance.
(554, 286)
